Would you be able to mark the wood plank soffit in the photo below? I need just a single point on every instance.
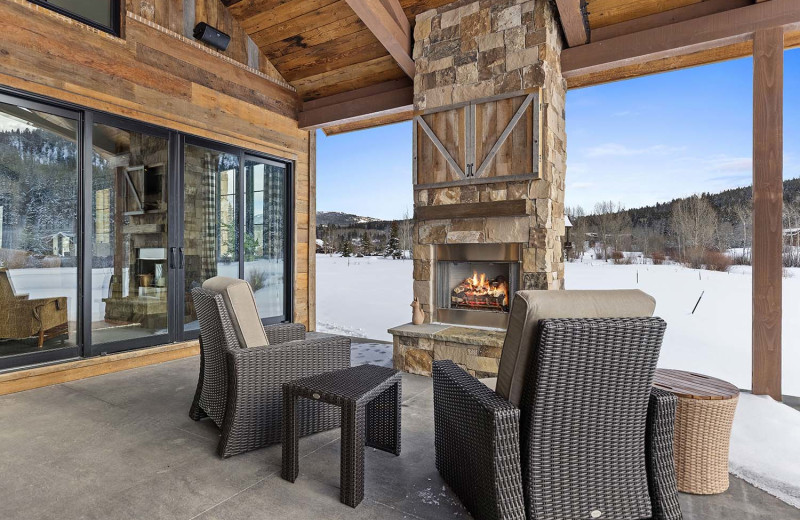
(385, 98)
(669, 17)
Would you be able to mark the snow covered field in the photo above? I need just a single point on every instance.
(365, 296)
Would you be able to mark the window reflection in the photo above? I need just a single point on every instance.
(211, 231)
(265, 241)
(38, 224)
(129, 234)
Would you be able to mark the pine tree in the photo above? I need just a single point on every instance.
(347, 250)
(366, 245)
(393, 247)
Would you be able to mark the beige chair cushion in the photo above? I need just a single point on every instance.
(490, 382)
(241, 305)
(531, 306)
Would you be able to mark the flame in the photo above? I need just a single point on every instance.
(481, 292)
(480, 286)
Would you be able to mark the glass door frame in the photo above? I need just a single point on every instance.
(288, 267)
(85, 118)
(74, 351)
(123, 123)
(243, 155)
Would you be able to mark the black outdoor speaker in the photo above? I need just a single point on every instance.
(214, 37)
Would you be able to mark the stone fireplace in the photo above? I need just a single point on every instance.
(489, 166)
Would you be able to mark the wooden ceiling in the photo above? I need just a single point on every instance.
(322, 47)
(350, 60)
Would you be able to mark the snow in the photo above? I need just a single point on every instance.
(363, 297)
(716, 339)
(764, 446)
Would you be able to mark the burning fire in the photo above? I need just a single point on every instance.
(480, 292)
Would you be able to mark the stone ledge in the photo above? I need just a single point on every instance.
(452, 334)
(476, 350)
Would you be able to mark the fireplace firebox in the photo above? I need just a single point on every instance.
(475, 283)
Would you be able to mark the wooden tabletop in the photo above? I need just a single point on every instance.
(693, 386)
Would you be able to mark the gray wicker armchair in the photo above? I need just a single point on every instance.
(580, 433)
(240, 388)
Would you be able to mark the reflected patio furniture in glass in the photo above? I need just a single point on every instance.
(130, 267)
(38, 230)
(240, 388)
(589, 438)
(23, 317)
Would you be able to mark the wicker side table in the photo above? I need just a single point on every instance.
(703, 422)
(369, 397)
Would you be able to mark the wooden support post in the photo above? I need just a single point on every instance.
(767, 210)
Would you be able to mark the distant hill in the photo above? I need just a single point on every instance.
(723, 202)
(339, 219)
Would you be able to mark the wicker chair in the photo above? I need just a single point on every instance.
(44, 318)
(589, 437)
(240, 389)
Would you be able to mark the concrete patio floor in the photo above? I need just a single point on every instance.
(121, 446)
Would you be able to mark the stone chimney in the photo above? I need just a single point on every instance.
(478, 63)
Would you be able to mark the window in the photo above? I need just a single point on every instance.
(106, 248)
(100, 14)
(38, 260)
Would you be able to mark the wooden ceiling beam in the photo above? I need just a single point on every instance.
(671, 16)
(372, 122)
(679, 39)
(573, 22)
(383, 99)
(383, 18)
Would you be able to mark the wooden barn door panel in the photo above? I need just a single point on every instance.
(441, 146)
(495, 138)
(511, 122)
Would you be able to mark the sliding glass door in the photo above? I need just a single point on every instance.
(107, 224)
(220, 199)
(129, 236)
(210, 219)
(39, 186)
(266, 237)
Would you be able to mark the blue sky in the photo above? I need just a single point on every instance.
(636, 142)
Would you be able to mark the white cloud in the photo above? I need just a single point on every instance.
(725, 163)
(580, 185)
(620, 150)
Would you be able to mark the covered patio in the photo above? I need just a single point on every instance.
(158, 154)
(122, 446)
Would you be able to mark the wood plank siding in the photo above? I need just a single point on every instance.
(155, 74)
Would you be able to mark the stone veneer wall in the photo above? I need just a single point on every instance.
(469, 50)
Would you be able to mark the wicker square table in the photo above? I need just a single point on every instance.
(369, 397)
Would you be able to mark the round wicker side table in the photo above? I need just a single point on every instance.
(703, 423)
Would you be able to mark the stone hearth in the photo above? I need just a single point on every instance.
(475, 350)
